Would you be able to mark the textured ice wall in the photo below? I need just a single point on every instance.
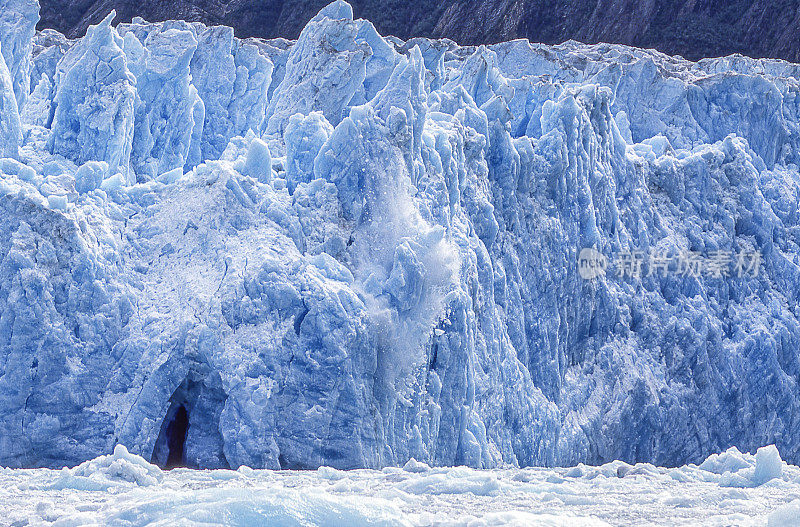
(10, 129)
(18, 20)
(352, 251)
(94, 101)
(17, 26)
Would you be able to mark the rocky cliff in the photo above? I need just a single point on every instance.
(693, 29)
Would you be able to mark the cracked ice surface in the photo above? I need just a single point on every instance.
(353, 251)
(124, 489)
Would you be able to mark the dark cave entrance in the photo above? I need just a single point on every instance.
(176, 439)
(190, 433)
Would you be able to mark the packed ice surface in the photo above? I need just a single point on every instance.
(123, 489)
(353, 251)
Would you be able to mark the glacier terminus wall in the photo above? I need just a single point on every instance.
(351, 250)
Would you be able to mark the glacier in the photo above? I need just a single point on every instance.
(352, 250)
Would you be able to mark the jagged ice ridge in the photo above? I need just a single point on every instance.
(351, 250)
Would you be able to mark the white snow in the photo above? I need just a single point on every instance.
(123, 489)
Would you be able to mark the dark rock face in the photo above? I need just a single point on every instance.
(692, 28)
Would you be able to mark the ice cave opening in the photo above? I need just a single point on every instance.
(176, 438)
(190, 434)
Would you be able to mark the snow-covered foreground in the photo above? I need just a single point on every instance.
(123, 489)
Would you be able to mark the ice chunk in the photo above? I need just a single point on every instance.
(331, 268)
(481, 77)
(57, 202)
(10, 129)
(407, 277)
(90, 175)
(258, 163)
(214, 73)
(330, 46)
(381, 62)
(304, 138)
(18, 19)
(37, 108)
(744, 470)
(14, 167)
(412, 465)
(248, 106)
(171, 176)
(729, 461)
(277, 51)
(336, 10)
(169, 112)
(479, 484)
(48, 49)
(433, 53)
(94, 114)
(769, 464)
(119, 467)
(232, 79)
(405, 91)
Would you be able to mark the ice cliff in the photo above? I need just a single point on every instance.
(351, 250)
